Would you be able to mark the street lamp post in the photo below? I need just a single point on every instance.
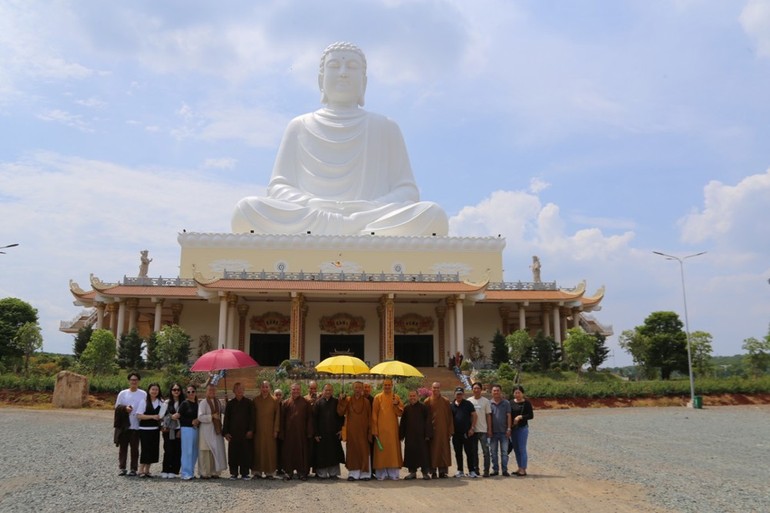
(686, 321)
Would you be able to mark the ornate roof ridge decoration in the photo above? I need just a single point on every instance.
(336, 242)
(270, 321)
(343, 276)
(160, 281)
(522, 285)
(342, 323)
(99, 285)
(413, 323)
(202, 280)
(75, 288)
(598, 296)
(577, 291)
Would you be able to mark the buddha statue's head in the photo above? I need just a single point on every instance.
(342, 75)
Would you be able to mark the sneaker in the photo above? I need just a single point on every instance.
(122, 472)
(426, 476)
(245, 478)
(233, 477)
(459, 474)
(443, 475)
(410, 476)
(486, 473)
(132, 473)
(472, 475)
(505, 473)
(187, 478)
(164, 475)
(494, 473)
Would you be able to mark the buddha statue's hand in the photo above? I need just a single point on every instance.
(346, 207)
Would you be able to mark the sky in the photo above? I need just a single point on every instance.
(589, 133)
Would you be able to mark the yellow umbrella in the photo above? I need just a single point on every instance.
(395, 368)
(342, 364)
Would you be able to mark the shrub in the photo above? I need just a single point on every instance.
(99, 355)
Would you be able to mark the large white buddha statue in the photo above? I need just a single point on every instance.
(341, 170)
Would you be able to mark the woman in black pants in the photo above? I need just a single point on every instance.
(172, 440)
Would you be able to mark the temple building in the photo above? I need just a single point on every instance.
(302, 297)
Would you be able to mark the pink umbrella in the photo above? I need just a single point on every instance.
(220, 359)
(223, 359)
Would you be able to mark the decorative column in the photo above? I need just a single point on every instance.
(563, 326)
(132, 304)
(505, 312)
(99, 314)
(243, 311)
(232, 301)
(522, 316)
(441, 317)
(121, 320)
(557, 327)
(176, 312)
(222, 333)
(576, 317)
(295, 327)
(112, 308)
(381, 331)
(302, 324)
(546, 320)
(388, 321)
(158, 320)
(451, 303)
(460, 327)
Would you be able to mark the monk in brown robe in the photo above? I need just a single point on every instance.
(312, 396)
(296, 430)
(267, 426)
(358, 413)
(386, 409)
(416, 430)
(443, 427)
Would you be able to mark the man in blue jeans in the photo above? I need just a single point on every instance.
(501, 429)
(483, 427)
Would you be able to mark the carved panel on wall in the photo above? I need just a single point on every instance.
(342, 323)
(413, 323)
(270, 321)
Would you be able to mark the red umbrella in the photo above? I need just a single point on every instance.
(220, 359)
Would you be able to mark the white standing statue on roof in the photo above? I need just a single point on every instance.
(341, 170)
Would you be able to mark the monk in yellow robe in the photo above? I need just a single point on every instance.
(358, 413)
(268, 416)
(386, 409)
(443, 427)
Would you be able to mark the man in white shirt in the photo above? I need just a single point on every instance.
(127, 407)
(482, 430)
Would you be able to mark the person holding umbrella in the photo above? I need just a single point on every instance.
(212, 458)
(358, 413)
(386, 410)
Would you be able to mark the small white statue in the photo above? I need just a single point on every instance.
(144, 266)
(535, 269)
(341, 170)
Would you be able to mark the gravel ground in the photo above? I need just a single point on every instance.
(632, 459)
(710, 460)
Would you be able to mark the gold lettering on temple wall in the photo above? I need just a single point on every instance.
(342, 323)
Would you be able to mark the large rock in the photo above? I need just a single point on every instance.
(71, 390)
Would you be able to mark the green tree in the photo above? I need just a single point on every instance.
(637, 345)
(600, 353)
(152, 351)
(667, 348)
(578, 348)
(757, 354)
(14, 313)
(130, 350)
(701, 349)
(173, 346)
(28, 340)
(499, 349)
(81, 340)
(545, 351)
(519, 344)
(99, 355)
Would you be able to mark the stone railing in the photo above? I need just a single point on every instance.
(89, 314)
(342, 276)
(158, 282)
(522, 285)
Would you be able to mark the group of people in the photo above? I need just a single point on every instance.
(269, 437)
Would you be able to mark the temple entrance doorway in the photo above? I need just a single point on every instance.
(416, 350)
(331, 343)
(269, 349)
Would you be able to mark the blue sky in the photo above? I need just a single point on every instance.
(588, 133)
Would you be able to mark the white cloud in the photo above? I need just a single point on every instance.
(755, 20)
(91, 102)
(733, 217)
(256, 126)
(537, 185)
(220, 163)
(66, 119)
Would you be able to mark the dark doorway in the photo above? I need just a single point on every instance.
(414, 349)
(269, 349)
(342, 343)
